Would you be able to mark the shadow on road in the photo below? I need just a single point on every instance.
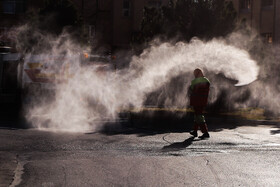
(177, 146)
(151, 123)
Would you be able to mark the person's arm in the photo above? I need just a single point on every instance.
(189, 91)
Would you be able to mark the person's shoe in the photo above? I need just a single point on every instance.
(205, 135)
(194, 133)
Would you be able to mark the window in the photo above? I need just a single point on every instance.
(267, 3)
(3, 33)
(126, 8)
(245, 4)
(13, 6)
(91, 31)
(268, 37)
(154, 3)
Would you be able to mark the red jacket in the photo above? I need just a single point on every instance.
(199, 91)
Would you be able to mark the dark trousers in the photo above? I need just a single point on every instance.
(199, 120)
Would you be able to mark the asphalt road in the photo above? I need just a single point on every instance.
(246, 155)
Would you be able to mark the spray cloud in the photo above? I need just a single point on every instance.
(89, 97)
(86, 98)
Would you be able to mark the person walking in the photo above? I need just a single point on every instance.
(198, 93)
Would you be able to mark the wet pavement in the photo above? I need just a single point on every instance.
(243, 155)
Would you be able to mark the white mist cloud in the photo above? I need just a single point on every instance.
(89, 98)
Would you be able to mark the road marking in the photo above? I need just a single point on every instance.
(18, 171)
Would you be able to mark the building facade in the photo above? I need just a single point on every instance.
(109, 21)
(261, 15)
(14, 13)
(127, 18)
(113, 22)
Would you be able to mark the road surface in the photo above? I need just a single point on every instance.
(246, 155)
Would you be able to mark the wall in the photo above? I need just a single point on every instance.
(277, 22)
(263, 19)
(123, 27)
